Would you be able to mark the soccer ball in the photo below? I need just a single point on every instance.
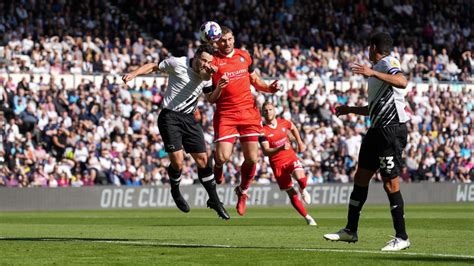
(210, 32)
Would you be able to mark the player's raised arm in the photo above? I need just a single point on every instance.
(167, 65)
(267, 151)
(397, 80)
(143, 70)
(213, 95)
(296, 133)
(358, 110)
(261, 85)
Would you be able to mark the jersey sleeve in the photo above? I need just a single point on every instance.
(168, 65)
(392, 66)
(248, 58)
(262, 138)
(208, 88)
(287, 124)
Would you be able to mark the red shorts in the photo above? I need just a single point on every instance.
(245, 123)
(283, 173)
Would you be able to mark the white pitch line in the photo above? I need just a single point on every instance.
(322, 250)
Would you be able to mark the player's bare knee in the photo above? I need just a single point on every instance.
(220, 159)
(250, 159)
(177, 165)
(388, 188)
(391, 186)
(201, 160)
(201, 163)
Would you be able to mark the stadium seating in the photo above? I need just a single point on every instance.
(53, 134)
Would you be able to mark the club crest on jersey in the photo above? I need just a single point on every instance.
(394, 62)
(242, 59)
(283, 129)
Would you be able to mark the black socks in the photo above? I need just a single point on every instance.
(398, 215)
(206, 177)
(357, 200)
(175, 176)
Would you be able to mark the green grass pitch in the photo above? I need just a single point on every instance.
(440, 234)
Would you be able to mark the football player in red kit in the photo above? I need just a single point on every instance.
(283, 160)
(237, 115)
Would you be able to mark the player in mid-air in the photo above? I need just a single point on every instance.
(237, 115)
(383, 145)
(177, 124)
(283, 160)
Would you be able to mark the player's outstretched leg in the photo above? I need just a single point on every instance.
(356, 202)
(206, 177)
(175, 178)
(400, 241)
(298, 205)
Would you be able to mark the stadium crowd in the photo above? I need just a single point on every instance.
(54, 135)
(288, 39)
(58, 136)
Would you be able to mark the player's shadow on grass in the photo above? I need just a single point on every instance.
(422, 258)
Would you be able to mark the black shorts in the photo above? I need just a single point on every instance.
(382, 148)
(178, 130)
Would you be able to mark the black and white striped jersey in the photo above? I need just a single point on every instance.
(184, 85)
(386, 103)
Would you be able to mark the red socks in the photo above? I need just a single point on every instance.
(296, 202)
(247, 173)
(302, 182)
(218, 174)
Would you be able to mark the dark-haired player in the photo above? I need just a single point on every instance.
(384, 142)
(177, 124)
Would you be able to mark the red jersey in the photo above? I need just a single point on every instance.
(238, 67)
(276, 137)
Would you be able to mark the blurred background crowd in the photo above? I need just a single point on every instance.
(288, 39)
(56, 135)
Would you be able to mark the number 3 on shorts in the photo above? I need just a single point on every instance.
(386, 162)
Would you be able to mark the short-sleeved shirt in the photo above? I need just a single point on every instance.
(238, 67)
(277, 136)
(184, 85)
(386, 103)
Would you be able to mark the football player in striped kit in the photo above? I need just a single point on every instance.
(177, 124)
(383, 145)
